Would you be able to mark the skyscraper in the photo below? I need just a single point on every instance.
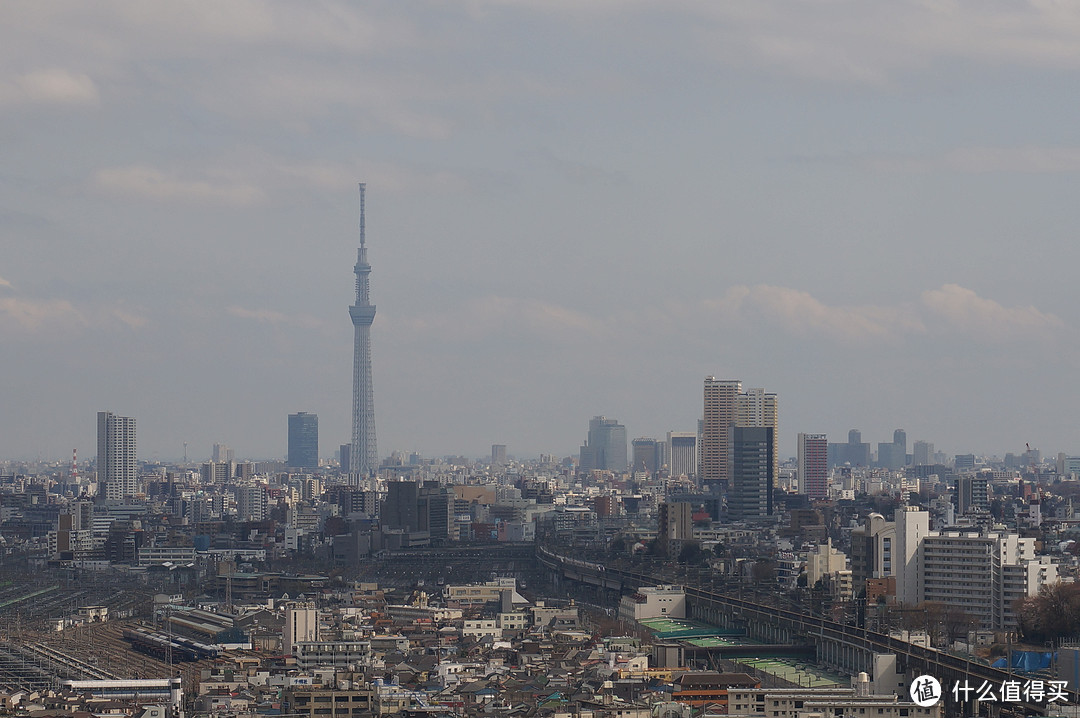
(363, 456)
(721, 400)
(752, 477)
(682, 449)
(894, 456)
(343, 457)
(922, 453)
(605, 447)
(645, 452)
(814, 465)
(303, 441)
(855, 452)
(222, 453)
(116, 466)
(757, 407)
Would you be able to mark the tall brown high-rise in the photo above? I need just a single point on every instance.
(719, 416)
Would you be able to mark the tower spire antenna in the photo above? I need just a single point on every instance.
(363, 457)
(363, 186)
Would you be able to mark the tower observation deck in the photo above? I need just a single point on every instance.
(363, 455)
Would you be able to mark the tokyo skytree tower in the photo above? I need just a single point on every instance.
(363, 456)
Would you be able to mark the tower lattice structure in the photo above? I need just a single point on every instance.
(363, 455)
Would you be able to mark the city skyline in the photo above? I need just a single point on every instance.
(871, 221)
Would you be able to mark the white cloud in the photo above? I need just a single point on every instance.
(962, 309)
(269, 316)
(5, 283)
(800, 313)
(52, 86)
(33, 314)
(950, 308)
(40, 315)
(852, 41)
(129, 319)
(151, 183)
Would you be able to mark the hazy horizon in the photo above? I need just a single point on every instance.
(573, 209)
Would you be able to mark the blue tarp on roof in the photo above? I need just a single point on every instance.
(1026, 661)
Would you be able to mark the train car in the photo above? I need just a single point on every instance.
(176, 648)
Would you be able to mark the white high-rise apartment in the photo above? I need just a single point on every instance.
(981, 573)
(301, 625)
(117, 469)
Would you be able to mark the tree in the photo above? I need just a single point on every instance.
(764, 571)
(1051, 615)
(691, 553)
(957, 623)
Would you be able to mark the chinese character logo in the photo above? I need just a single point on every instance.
(925, 691)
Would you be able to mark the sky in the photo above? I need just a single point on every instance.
(574, 208)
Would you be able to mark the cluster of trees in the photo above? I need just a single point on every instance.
(943, 623)
(1051, 615)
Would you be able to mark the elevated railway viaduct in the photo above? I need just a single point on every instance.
(839, 646)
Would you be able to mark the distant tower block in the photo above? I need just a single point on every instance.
(498, 454)
(117, 468)
(303, 441)
(363, 456)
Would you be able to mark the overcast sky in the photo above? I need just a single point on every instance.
(575, 207)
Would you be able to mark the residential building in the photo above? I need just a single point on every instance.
(301, 626)
(675, 526)
(340, 655)
(872, 551)
(971, 492)
(813, 466)
(824, 560)
(117, 469)
(719, 415)
(981, 573)
(251, 502)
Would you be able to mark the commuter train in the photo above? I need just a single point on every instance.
(160, 646)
